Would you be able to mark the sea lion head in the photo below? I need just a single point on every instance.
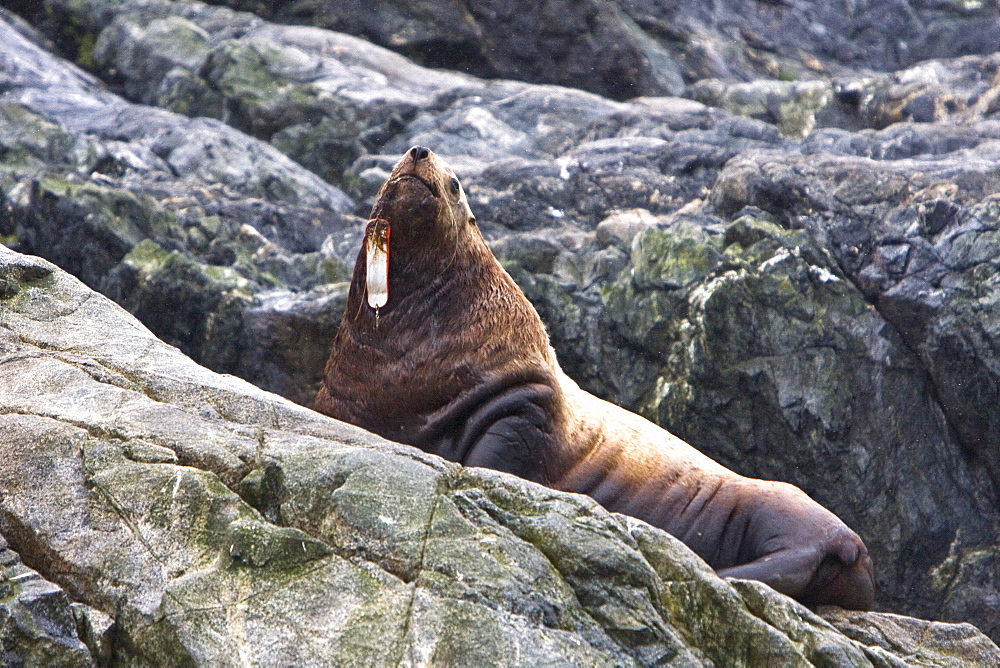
(423, 201)
(420, 220)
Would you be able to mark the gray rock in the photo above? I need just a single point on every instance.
(217, 524)
(323, 98)
(954, 91)
(591, 45)
(792, 106)
(38, 622)
(896, 634)
(154, 140)
(824, 385)
(919, 244)
(629, 48)
(157, 210)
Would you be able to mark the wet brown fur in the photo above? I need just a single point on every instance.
(456, 323)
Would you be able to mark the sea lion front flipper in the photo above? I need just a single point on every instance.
(788, 571)
(512, 432)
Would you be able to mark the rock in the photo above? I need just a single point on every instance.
(38, 623)
(619, 229)
(910, 636)
(215, 524)
(157, 209)
(920, 244)
(792, 106)
(149, 139)
(623, 49)
(955, 90)
(535, 43)
(823, 380)
(628, 48)
(816, 308)
(285, 339)
(323, 98)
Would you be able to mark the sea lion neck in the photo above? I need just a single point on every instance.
(422, 279)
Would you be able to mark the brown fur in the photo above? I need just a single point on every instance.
(459, 364)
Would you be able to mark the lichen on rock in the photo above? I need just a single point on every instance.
(796, 274)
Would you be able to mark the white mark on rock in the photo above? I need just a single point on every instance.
(780, 256)
(556, 213)
(387, 520)
(177, 486)
(823, 274)
(563, 168)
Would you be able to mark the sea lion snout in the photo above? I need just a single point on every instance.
(420, 165)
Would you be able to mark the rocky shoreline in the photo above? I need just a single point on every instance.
(793, 266)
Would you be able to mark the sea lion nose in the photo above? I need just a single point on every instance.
(418, 153)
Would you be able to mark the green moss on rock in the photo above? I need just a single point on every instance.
(673, 258)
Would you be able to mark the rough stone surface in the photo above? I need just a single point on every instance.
(39, 623)
(797, 274)
(210, 523)
(591, 44)
(628, 48)
(182, 220)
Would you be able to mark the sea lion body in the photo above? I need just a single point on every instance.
(458, 363)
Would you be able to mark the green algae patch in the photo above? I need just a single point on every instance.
(674, 258)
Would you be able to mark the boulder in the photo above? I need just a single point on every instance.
(628, 48)
(957, 90)
(592, 45)
(174, 516)
(183, 220)
(40, 624)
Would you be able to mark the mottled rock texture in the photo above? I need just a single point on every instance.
(794, 267)
(627, 48)
(174, 516)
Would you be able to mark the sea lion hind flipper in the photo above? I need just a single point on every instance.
(788, 570)
(512, 432)
(813, 575)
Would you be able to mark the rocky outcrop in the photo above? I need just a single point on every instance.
(40, 625)
(629, 48)
(180, 219)
(172, 516)
(799, 278)
(958, 90)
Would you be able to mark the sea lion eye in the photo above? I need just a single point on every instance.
(455, 185)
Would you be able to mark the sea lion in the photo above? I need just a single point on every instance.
(440, 349)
